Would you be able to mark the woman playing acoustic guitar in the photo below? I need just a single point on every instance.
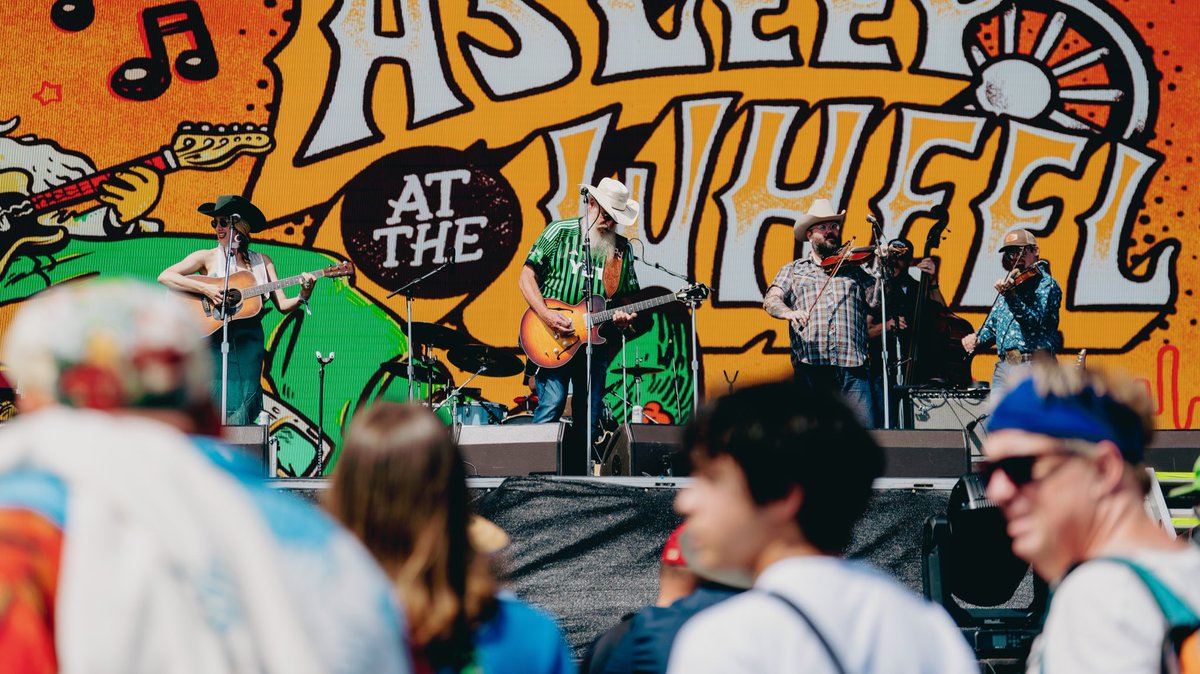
(202, 273)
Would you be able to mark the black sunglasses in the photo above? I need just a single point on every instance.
(225, 222)
(1018, 469)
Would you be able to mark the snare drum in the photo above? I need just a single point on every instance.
(480, 414)
(518, 419)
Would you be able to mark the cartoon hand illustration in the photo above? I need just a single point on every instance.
(132, 193)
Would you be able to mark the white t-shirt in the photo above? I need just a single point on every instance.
(873, 624)
(1103, 618)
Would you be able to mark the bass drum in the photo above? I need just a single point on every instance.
(519, 419)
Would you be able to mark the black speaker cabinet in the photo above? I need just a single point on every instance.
(1173, 451)
(923, 453)
(504, 451)
(251, 440)
(641, 450)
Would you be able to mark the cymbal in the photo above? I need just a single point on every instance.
(435, 335)
(433, 372)
(476, 357)
(638, 370)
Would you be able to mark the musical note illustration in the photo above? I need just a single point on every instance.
(73, 15)
(145, 78)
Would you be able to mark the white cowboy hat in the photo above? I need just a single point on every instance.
(613, 197)
(820, 211)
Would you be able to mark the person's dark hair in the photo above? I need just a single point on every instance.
(784, 434)
(401, 487)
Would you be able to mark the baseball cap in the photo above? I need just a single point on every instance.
(1016, 238)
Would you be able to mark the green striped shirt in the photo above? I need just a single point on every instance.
(556, 259)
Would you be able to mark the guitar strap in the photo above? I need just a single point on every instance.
(612, 274)
(612, 268)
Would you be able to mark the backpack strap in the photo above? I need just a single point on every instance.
(837, 663)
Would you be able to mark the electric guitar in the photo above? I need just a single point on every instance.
(550, 350)
(244, 298)
(205, 147)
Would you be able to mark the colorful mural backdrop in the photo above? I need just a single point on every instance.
(401, 135)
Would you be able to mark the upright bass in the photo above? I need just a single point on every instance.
(935, 354)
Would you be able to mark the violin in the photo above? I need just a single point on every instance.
(847, 257)
(1017, 277)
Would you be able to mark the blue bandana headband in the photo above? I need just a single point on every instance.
(1083, 416)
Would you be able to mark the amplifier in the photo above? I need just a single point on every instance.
(946, 409)
(505, 451)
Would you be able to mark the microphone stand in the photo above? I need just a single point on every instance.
(881, 285)
(692, 306)
(407, 289)
(589, 276)
(321, 363)
(230, 261)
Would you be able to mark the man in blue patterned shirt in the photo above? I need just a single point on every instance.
(1024, 317)
(829, 332)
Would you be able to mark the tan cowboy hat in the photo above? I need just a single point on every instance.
(613, 197)
(820, 211)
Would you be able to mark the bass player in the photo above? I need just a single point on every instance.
(555, 269)
(234, 218)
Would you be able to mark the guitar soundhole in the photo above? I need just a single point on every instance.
(233, 298)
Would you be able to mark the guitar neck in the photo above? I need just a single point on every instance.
(88, 187)
(607, 314)
(271, 287)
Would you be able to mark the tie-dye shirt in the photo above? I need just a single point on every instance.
(1026, 319)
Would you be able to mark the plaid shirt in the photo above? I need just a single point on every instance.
(836, 332)
(1025, 320)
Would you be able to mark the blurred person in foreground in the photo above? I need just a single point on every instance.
(1065, 457)
(401, 486)
(128, 545)
(641, 642)
(781, 475)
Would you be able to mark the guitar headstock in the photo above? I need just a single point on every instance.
(210, 147)
(697, 292)
(340, 269)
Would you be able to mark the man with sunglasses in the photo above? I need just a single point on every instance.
(827, 315)
(1024, 317)
(234, 218)
(1065, 465)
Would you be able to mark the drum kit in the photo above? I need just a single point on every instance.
(467, 404)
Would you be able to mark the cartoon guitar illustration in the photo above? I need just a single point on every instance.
(199, 146)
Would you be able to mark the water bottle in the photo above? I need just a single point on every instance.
(635, 415)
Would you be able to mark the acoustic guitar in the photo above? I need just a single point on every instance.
(244, 299)
(550, 350)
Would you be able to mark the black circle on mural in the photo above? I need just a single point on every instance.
(411, 211)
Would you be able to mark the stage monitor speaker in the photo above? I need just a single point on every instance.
(504, 451)
(641, 450)
(932, 454)
(251, 440)
(946, 409)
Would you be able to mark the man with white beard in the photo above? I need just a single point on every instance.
(554, 270)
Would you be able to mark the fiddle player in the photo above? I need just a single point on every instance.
(827, 316)
(1024, 318)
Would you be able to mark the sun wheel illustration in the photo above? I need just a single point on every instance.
(1065, 64)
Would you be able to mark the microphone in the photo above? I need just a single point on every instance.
(583, 190)
(871, 219)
